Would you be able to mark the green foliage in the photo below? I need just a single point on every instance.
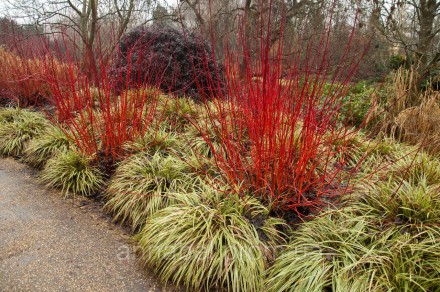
(386, 240)
(413, 261)
(156, 139)
(396, 61)
(40, 149)
(403, 202)
(142, 185)
(417, 168)
(410, 196)
(73, 173)
(357, 104)
(17, 128)
(204, 144)
(212, 242)
(353, 149)
(178, 111)
(347, 252)
(9, 114)
(318, 253)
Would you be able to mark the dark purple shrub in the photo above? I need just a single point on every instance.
(175, 61)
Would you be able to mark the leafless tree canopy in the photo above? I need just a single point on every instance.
(410, 27)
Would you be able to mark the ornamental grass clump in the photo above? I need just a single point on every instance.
(52, 141)
(203, 143)
(143, 184)
(419, 124)
(417, 167)
(161, 139)
(17, 128)
(403, 202)
(408, 114)
(409, 195)
(73, 173)
(386, 239)
(8, 114)
(179, 112)
(333, 246)
(211, 243)
(352, 252)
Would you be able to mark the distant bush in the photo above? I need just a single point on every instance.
(21, 79)
(419, 124)
(396, 61)
(357, 104)
(166, 57)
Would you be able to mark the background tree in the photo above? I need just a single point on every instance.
(228, 19)
(413, 26)
(83, 22)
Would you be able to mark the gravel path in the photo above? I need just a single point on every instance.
(48, 243)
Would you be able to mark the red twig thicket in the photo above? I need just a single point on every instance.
(99, 116)
(278, 119)
(275, 107)
(21, 80)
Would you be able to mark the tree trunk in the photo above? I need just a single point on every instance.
(426, 16)
(246, 39)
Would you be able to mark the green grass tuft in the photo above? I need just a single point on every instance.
(203, 144)
(142, 183)
(417, 168)
(403, 203)
(9, 114)
(73, 173)
(158, 139)
(211, 243)
(178, 111)
(40, 149)
(347, 252)
(411, 194)
(316, 253)
(386, 240)
(17, 128)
